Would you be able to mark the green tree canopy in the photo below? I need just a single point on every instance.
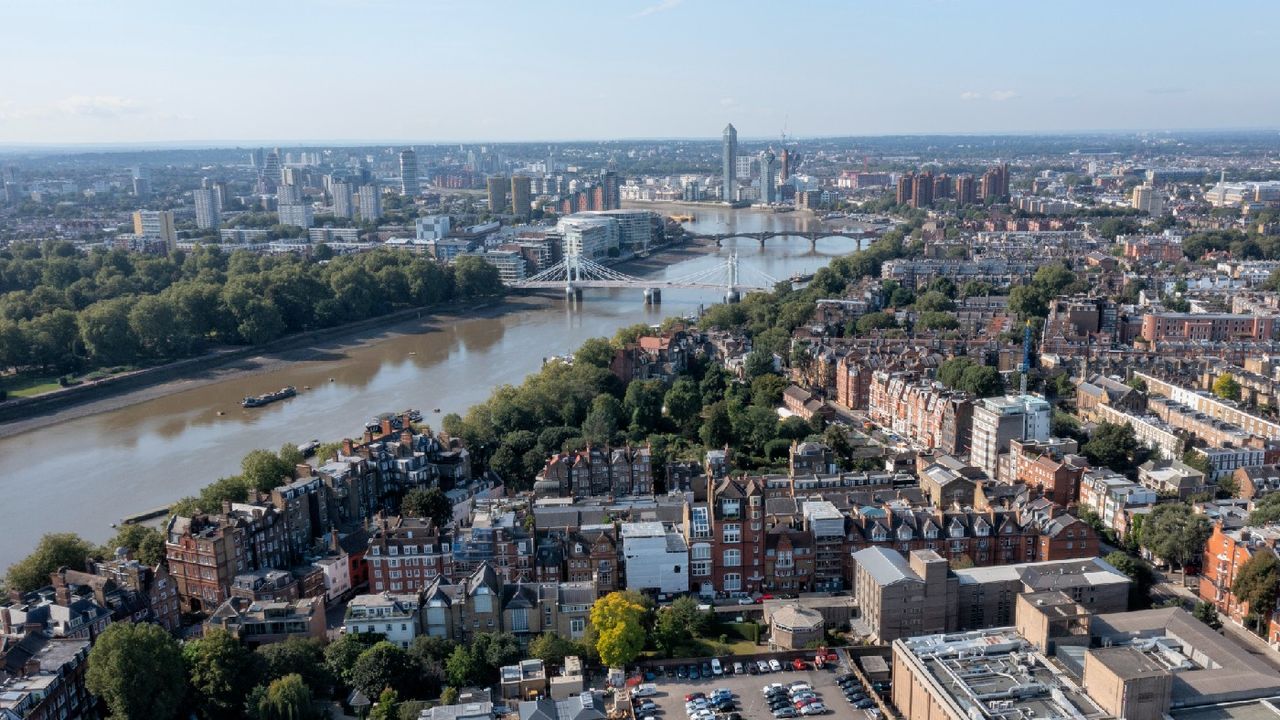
(54, 550)
(1256, 584)
(221, 672)
(1176, 533)
(137, 669)
(428, 503)
(616, 621)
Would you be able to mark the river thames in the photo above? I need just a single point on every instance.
(84, 474)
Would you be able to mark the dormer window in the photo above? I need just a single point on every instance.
(957, 530)
(878, 534)
(904, 533)
(931, 532)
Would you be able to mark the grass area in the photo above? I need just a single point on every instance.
(24, 386)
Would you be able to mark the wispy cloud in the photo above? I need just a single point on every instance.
(661, 6)
(995, 95)
(102, 106)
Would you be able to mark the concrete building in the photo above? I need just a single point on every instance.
(768, 178)
(299, 215)
(343, 199)
(904, 597)
(156, 225)
(409, 186)
(497, 187)
(1146, 199)
(370, 197)
(998, 420)
(520, 196)
(729, 160)
(656, 557)
(1173, 477)
(526, 680)
(207, 208)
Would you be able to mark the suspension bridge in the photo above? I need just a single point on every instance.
(575, 273)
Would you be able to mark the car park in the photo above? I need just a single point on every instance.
(799, 686)
(647, 706)
(775, 666)
(786, 712)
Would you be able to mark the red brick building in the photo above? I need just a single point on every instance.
(736, 514)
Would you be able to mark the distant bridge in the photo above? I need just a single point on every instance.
(812, 236)
(575, 273)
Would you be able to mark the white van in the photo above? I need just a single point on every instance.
(715, 667)
(645, 690)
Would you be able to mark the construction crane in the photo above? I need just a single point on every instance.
(1025, 367)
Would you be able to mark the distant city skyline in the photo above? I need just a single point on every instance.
(393, 71)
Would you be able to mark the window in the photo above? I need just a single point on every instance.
(732, 582)
(732, 532)
(732, 558)
(700, 567)
(520, 620)
(701, 551)
(577, 627)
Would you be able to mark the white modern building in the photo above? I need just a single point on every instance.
(343, 199)
(431, 227)
(657, 558)
(370, 203)
(510, 265)
(998, 420)
(635, 227)
(337, 576)
(588, 236)
(392, 616)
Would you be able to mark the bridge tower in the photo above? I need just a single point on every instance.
(731, 294)
(572, 274)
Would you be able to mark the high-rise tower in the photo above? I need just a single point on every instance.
(730, 151)
(409, 173)
(768, 188)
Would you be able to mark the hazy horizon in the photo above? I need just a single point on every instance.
(369, 72)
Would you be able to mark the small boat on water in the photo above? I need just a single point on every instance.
(283, 393)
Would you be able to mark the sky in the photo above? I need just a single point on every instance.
(136, 71)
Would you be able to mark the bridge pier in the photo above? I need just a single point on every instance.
(653, 296)
(732, 296)
(813, 242)
(572, 294)
(761, 238)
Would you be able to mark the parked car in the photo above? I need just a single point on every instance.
(682, 672)
(775, 666)
(814, 709)
(799, 685)
(772, 687)
(649, 676)
(671, 671)
(716, 668)
(737, 668)
(752, 668)
(647, 706)
(746, 601)
(721, 692)
(694, 696)
(798, 664)
(785, 712)
(694, 674)
(764, 666)
(706, 669)
(864, 704)
(645, 690)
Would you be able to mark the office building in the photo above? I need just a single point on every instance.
(497, 187)
(409, 173)
(729, 151)
(998, 420)
(206, 208)
(156, 225)
(431, 227)
(768, 186)
(609, 183)
(520, 205)
(343, 200)
(370, 203)
(297, 214)
(657, 558)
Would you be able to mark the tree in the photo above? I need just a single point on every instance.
(54, 550)
(449, 696)
(1111, 445)
(476, 277)
(1206, 613)
(767, 389)
(551, 648)
(104, 329)
(385, 665)
(1139, 572)
(145, 544)
(138, 671)
(717, 428)
(595, 351)
(1176, 533)
(1226, 387)
(388, 705)
(932, 320)
(286, 698)
(340, 655)
(299, 656)
(1266, 510)
(1256, 584)
(462, 668)
(221, 672)
(264, 470)
(616, 620)
(758, 362)
(642, 404)
(1028, 301)
(602, 420)
(428, 503)
(875, 321)
(683, 405)
(677, 625)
